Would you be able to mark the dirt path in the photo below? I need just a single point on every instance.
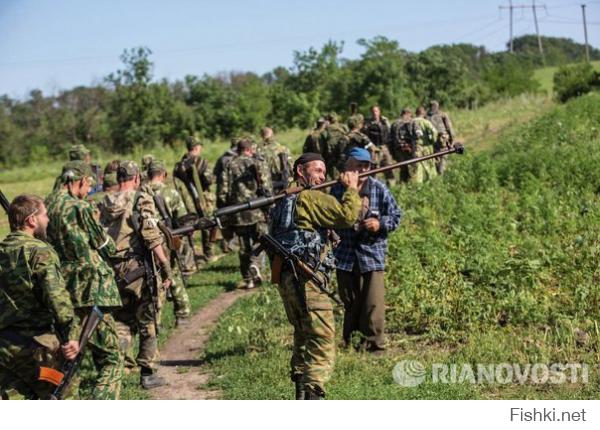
(179, 355)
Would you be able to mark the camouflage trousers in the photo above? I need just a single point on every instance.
(106, 356)
(177, 292)
(137, 317)
(311, 314)
(248, 238)
(442, 143)
(419, 172)
(186, 257)
(20, 359)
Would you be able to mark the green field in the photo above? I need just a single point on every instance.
(496, 262)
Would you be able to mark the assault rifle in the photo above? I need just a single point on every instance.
(281, 256)
(62, 378)
(261, 202)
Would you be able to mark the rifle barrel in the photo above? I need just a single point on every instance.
(260, 202)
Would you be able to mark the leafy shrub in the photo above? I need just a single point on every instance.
(574, 80)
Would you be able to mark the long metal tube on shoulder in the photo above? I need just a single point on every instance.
(260, 202)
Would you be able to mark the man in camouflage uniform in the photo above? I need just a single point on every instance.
(354, 138)
(193, 170)
(109, 184)
(312, 143)
(76, 153)
(425, 136)
(299, 223)
(146, 161)
(38, 326)
(278, 160)
(85, 250)
(377, 129)
(441, 121)
(330, 138)
(170, 208)
(401, 141)
(132, 220)
(226, 231)
(246, 177)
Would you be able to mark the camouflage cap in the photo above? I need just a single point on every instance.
(78, 152)
(110, 179)
(147, 160)
(127, 170)
(157, 166)
(331, 117)
(75, 170)
(192, 141)
(355, 120)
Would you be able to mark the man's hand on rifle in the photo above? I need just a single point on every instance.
(371, 224)
(349, 179)
(70, 349)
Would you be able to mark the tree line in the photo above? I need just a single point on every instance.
(130, 109)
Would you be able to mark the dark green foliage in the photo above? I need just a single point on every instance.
(557, 50)
(575, 80)
(131, 110)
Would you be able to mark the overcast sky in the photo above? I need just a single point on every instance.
(59, 44)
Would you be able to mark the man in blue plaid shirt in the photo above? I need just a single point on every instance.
(360, 256)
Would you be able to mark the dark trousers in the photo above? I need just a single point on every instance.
(364, 306)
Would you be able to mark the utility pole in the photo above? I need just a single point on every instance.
(537, 30)
(510, 31)
(587, 47)
(534, 8)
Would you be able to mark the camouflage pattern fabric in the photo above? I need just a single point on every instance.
(309, 310)
(425, 136)
(248, 239)
(352, 140)
(377, 131)
(203, 180)
(441, 121)
(273, 152)
(175, 208)
(33, 298)
(330, 147)
(137, 313)
(243, 179)
(85, 249)
(312, 143)
(107, 358)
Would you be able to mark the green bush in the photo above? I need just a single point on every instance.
(575, 80)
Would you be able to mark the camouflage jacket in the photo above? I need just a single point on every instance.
(132, 220)
(423, 131)
(173, 202)
(279, 161)
(84, 249)
(312, 143)
(377, 131)
(245, 178)
(220, 166)
(441, 121)
(202, 180)
(33, 297)
(329, 140)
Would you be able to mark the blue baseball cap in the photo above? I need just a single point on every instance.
(360, 154)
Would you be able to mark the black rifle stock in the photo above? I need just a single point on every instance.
(261, 202)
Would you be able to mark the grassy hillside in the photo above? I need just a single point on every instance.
(545, 77)
(496, 262)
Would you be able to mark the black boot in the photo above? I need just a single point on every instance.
(300, 390)
(150, 380)
(313, 394)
